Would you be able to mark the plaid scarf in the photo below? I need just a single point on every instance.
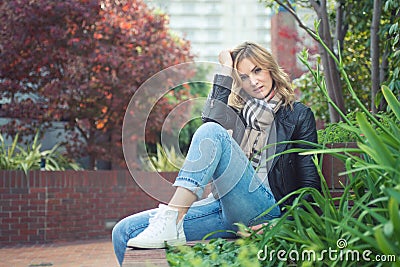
(259, 115)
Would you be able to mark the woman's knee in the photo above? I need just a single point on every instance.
(211, 129)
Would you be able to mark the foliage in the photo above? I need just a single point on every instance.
(340, 133)
(356, 48)
(195, 91)
(321, 11)
(218, 252)
(80, 62)
(164, 160)
(199, 90)
(347, 30)
(336, 133)
(16, 157)
(312, 96)
(360, 224)
(391, 28)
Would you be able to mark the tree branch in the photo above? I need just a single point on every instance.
(375, 52)
(291, 10)
(316, 6)
(80, 130)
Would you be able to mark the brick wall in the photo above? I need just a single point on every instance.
(56, 206)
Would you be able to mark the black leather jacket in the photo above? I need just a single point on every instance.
(289, 171)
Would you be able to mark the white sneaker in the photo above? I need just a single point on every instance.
(162, 228)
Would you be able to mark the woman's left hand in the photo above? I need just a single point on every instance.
(256, 228)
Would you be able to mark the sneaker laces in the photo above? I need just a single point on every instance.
(157, 223)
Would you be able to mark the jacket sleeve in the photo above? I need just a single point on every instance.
(217, 110)
(305, 168)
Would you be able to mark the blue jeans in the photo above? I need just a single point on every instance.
(213, 154)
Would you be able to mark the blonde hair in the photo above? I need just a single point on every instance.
(262, 58)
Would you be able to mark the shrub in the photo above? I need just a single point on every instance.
(340, 132)
(16, 157)
(165, 159)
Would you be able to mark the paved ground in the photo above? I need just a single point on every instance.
(96, 253)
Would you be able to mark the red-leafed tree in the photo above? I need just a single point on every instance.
(80, 61)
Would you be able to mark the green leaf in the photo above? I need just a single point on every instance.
(393, 193)
(392, 101)
(376, 148)
(383, 243)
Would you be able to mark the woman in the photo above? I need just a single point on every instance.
(261, 111)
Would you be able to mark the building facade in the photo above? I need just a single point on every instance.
(214, 25)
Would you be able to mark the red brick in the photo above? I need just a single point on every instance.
(19, 190)
(38, 190)
(10, 220)
(4, 238)
(19, 226)
(53, 190)
(75, 195)
(18, 238)
(36, 238)
(37, 202)
(37, 213)
(10, 196)
(35, 226)
(5, 214)
(29, 219)
(4, 190)
(11, 208)
(28, 208)
(27, 232)
(62, 195)
(52, 225)
(53, 201)
(18, 202)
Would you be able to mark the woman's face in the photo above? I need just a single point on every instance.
(256, 82)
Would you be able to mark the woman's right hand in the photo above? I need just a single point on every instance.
(225, 58)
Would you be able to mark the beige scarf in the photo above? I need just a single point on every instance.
(259, 115)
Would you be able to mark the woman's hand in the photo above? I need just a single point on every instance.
(225, 58)
(256, 228)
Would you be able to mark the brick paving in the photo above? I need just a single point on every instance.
(97, 253)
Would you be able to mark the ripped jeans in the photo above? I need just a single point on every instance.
(213, 155)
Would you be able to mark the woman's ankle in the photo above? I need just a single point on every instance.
(181, 211)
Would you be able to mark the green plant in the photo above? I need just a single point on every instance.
(340, 133)
(16, 157)
(164, 160)
(218, 252)
(337, 132)
(312, 96)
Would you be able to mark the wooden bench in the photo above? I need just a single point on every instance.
(145, 257)
(149, 257)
